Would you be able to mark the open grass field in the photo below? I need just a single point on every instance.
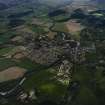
(46, 83)
(60, 27)
(5, 50)
(74, 26)
(11, 73)
(25, 63)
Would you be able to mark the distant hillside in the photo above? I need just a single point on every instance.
(99, 3)
(14, 2)
(53, 3)
(3, 6)
(47, 2)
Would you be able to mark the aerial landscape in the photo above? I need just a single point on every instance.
(52, 52)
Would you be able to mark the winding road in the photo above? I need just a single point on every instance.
(13, 89)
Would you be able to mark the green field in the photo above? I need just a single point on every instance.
(45, 82)
(60, 27)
